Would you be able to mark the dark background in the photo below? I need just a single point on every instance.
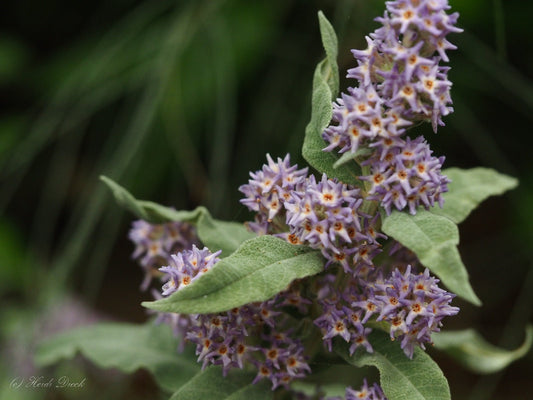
(177, 101)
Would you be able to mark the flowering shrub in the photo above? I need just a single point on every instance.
(340, 266)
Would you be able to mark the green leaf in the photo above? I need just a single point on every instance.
(470, 349)
(221, 235)
(324, 92)
(125, 199)
(401, 378)
(215, 234)
(127, 347)
(329, 41)
(211, 384)
(434, 239)
(468, 188)
(258, 270)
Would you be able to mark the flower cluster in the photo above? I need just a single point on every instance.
(267, 191)
(400, 83)
(412, 304)
(323, 215)
(186, 267)
(229, 338)
(400, 60)
(403, 173)
(154, 243)
(338, 319)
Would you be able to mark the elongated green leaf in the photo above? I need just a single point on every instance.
(401, 378)
(324, 92)
(210, 384)
(259, 269)
(469, 188)
(221, 235)
(156, 213)
(125, 199)
(434, 239)
(470, 349)
(127, 347)
(215, 234)
(329, 41)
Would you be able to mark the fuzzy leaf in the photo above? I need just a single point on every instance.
(258, 270)
(470, 349)
(434, 239)
(126, 347)
(469, 188)
(211, 384)
(324, 92)
(329, 41)
(215, 234)
(221, 235)
(125, 199)
(401, 378)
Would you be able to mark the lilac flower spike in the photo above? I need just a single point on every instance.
(268, 189)
(405, 174)
(400, 79)
(414, 306)
(186, 267)
(154, 243)
(325, 216)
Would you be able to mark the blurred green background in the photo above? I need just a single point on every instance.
(177, 101)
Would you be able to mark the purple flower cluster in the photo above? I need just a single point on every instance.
(361, 118)
(154, 243)
(323, 215)
(400, 83)
(400, 60)
(224, 339)
(268, 190)
(337, 317)
(403, 173)
(187, 266)
(412, 304)
(229, 338)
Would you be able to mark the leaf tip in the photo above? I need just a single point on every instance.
(149, 304)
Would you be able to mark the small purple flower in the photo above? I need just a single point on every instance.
(366, 392)
(187, 266)
(359, 117)
(405, 174)
(325, 216)
(339, 319)
(268, 190)
(414, 306)
(400, 81)
(154, 243)
(283, 361)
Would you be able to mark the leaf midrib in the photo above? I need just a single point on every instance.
(243, 277)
